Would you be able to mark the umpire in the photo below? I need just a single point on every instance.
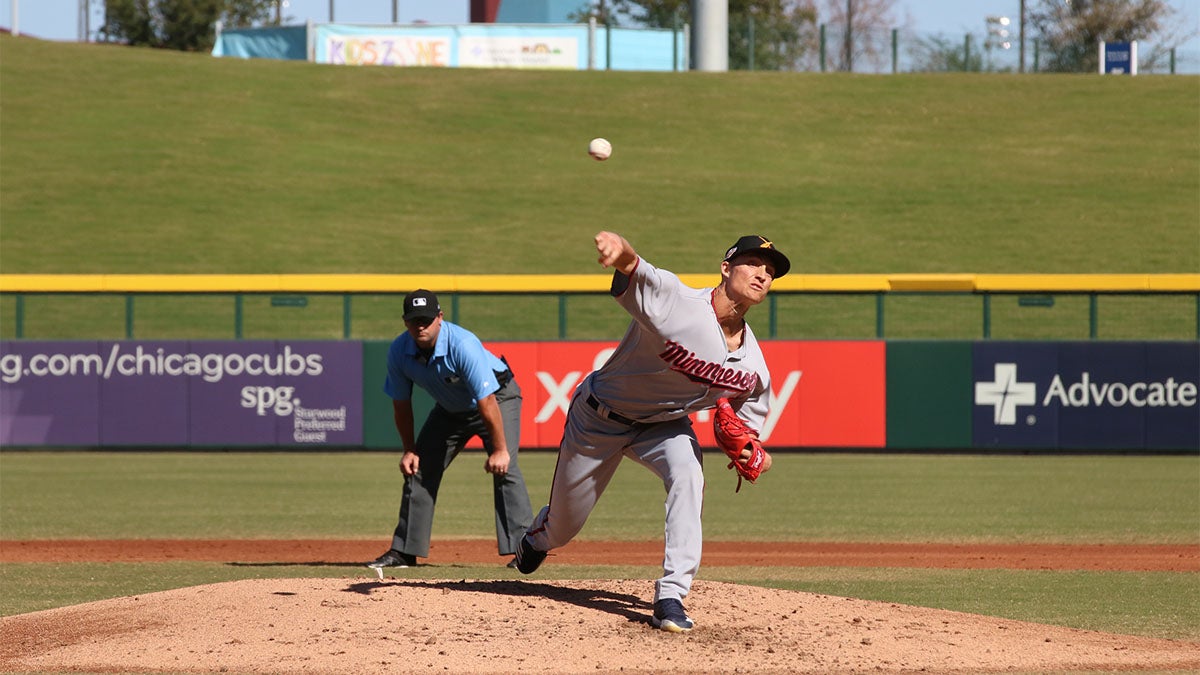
(475, 395)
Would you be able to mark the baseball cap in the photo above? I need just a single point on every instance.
(421, 304)
(753, 243)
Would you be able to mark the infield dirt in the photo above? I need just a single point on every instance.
(360, 624)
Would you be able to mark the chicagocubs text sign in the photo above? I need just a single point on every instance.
(180, 393)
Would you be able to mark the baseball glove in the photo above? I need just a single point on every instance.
(734, 437)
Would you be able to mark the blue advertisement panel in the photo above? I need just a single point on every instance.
(1008, 377)
(1087, 395)
(1094, 409)
(1176, 424)
(1119, 58)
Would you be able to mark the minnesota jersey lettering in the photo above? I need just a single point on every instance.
(698, 370)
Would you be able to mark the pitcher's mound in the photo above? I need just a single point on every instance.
(397, 625)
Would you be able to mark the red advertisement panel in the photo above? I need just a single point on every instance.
(548, 373)
(828, 394)
(824, 394)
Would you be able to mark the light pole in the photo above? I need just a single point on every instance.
(1021, 38)
(84, 27)
(850, 36)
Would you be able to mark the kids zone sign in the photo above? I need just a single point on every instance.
(823, 394)
(1085, 395)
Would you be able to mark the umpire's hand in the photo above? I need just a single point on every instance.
(410, 462)
(497, 463)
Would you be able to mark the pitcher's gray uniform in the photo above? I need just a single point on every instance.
(673, 360)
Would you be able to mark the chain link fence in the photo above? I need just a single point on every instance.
(827, 48)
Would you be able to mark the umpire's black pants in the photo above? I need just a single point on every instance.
(442, 437)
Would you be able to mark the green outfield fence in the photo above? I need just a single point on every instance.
(882, 295)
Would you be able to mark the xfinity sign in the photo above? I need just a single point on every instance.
(1114, 395)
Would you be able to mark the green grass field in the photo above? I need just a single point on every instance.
(856, 498)
(120, 160)
(132, 160)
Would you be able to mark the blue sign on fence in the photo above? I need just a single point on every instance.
(1087, 395)
(1118, 58)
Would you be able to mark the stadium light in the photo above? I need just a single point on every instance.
(997, 32)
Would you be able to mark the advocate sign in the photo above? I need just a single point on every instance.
(1087, 395)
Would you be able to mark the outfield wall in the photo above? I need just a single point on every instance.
(870, 394)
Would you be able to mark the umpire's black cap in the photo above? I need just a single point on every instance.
(754, 243)
(421, 304)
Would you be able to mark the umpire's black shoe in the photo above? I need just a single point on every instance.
(528, 558)
(393, 558)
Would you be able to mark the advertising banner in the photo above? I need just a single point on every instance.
(824, 394)
(1087, 395)
(518, 52)
(1118, 58)
(50, 393)
(443, 46)
(179, 393)
(570, 46)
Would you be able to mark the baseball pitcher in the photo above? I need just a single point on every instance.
(685, 350)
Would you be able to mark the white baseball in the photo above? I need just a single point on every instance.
(600, 149)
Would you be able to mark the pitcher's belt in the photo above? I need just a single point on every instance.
(616, 417)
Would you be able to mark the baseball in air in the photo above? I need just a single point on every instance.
(599, 149)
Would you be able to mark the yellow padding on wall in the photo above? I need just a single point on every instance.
(584, 283)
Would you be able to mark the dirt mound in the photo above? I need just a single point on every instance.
(400, 626)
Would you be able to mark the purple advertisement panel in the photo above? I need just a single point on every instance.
(50, 393)
(176, 393)
(225, 411)
(140, 402)
(328, 412)
(278, 393)
(1087, 395)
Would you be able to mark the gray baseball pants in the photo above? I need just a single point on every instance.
(592, 448)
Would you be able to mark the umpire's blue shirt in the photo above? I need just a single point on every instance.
(459, 373)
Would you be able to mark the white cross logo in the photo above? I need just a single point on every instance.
(1006, 393)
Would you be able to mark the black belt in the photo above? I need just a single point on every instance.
(591, 400)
